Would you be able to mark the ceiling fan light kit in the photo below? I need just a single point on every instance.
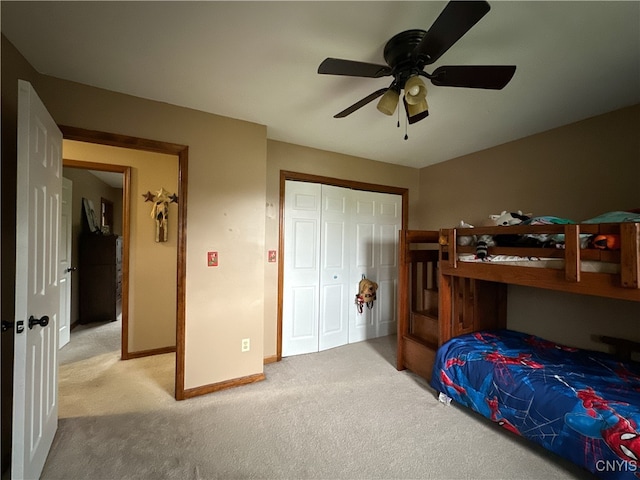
(415, 91)
(389, 101)
(407, 54)
(416, 111)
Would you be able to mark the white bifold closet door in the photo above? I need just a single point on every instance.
(332, 237)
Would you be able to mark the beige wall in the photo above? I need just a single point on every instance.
(577, 172)
(152, 266)
(226, 209)
(87, 185)
(285, 156)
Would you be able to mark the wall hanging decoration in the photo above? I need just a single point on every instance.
(90, 215)
(160, 211)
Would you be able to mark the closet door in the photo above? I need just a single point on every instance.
(301, 268)
(335, 291)
(333, 236)
(376, 219)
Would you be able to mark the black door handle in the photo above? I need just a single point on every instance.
(70, 269)
(43, 322)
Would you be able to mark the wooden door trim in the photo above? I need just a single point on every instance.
(182, 152)
(338, 182)
(126, 237)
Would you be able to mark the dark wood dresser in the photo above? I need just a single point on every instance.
(100, 275)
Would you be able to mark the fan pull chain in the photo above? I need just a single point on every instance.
(406, 133)
(398, 117)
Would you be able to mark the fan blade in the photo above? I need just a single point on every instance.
(456, 19)
(494, 77)
(337, 66)
(361, 103)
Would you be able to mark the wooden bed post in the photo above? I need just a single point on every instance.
(572, 253)
(630, 255)
(445, 312)
(403, 298)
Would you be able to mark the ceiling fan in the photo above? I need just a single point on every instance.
(408, 52)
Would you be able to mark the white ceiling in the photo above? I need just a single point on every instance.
(113, 179)
(257, 61)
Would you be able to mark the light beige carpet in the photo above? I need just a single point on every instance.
(345, 413)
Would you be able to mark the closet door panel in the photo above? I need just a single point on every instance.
(334, 274)
(364, 246)
(377, 218)
(301, 266)
(388, 222)
(362, 324)
(303, 308)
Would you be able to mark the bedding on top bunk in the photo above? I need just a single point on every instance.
(541, 262)
(549, 241)
(582, 405)
(557, 240)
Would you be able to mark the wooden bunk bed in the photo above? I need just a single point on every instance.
(422, 289)
(580, 404)
(621, 284)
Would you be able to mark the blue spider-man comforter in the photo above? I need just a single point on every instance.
(580, 404)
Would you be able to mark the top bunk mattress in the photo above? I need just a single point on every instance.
(542, 262)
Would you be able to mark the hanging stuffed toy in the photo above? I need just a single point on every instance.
(366, 294)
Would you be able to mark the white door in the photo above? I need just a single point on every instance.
(300, 301)
(65, 269)
(336, 295)
(35, 385)
(376, 219)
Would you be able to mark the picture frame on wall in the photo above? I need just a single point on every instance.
(90, 215)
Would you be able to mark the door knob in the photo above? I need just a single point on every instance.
(43, 322)
(70, 269)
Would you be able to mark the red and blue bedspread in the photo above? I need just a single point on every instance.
(582, 405)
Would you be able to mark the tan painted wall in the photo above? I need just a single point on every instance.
(152, 266)
(226, 210)
(577, 172)
(295, 158)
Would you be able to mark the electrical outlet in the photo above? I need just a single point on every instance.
(246, 344)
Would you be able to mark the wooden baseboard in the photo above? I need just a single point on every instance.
(271, 359)
(215, 387)
(148, 353)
